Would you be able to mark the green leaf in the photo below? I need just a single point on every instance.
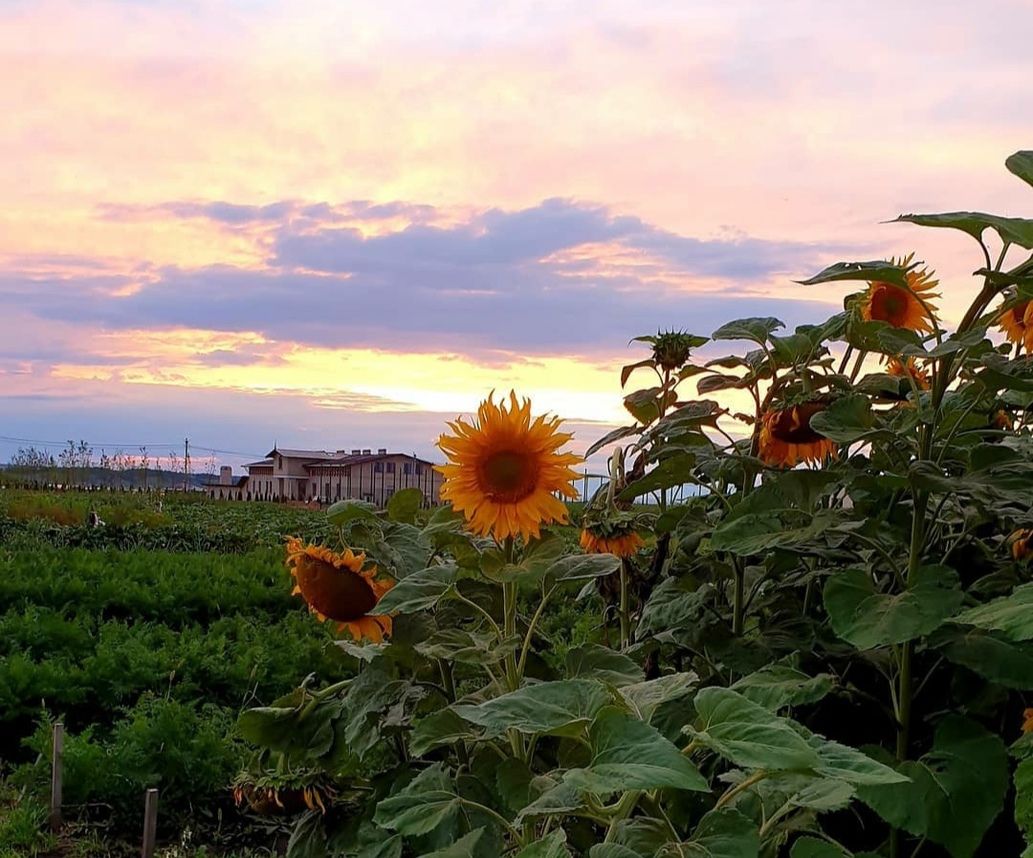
(676, 603)
(869, 619)
(643, 698)
(611, 437)
(756, 329)
(673, 471)
(993, 657)
(1021, 165)
(778, 685)
(464, 847)
(644, 405)
(956, 790)
(1024, 798)
(1011, 615)
(428, 801)
(724, 833)
(458, 645)
(345, 511)
(580, 567)
(440, 728)
(812, 847)
(880, 271)
(611, 850)
(404, 504)
(557, 708)
(748, 734)
(593, 661)
(419, 591)
(849, 764)
(513, 781)
(1012, 229)
(559, 800)
(629, 754)
(308, 839)
(847, 419)
(554, 845)
(755, 533)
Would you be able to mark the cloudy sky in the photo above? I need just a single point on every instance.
(338, 224)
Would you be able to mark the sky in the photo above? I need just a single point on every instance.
(338, 225)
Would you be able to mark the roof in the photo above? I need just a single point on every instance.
(301, 454)
(350, 459)
(264, 463)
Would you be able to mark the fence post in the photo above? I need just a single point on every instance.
(56, 774)
(150, 823)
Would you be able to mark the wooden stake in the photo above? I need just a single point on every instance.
(150, 823)
(56, 776)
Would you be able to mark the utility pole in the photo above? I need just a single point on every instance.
(186, 464)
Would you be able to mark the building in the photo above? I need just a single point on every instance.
(325, 477)
(226, 486)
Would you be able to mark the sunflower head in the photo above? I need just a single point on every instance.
(274, 795)
(909, 367)
(618, 543)
(1021, 542)
(786, 436)
(504, 470)
(1027, 720)
(1017, 324)
(1002, 420)
(902, 308)
(671, 349)
(337, 587)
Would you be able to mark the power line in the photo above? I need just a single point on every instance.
(155, 445)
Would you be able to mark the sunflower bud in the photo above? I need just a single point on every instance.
(671, 349)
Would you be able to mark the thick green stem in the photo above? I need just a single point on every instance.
(624, 613)
(739, 600)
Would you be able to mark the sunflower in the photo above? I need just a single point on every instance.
(786, 436)
(620, 544)
(272, 800)
(1017, 324)
(902, 308)
(907, 368)
(1020, 543)
(504, 471)
(1027, 720)
(1002, 420)
(337, 588)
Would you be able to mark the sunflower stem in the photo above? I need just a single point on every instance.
(624, 614)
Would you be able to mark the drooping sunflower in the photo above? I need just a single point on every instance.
(504, 470)
(623, 544)
(910, 367)
(271, 797)
(1020, 542)
(1027, 720)
(1017, 324)
(786, 436)
(887, 302)
(337, 587)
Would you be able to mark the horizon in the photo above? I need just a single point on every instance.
(242, 224)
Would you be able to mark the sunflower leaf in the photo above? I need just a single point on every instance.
(882, 271)
(757, 329)
(419, 591)
(1014, 230)
(1021, 164)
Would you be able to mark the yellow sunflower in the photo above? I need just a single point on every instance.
(1002, 420)
(337, 588)
(1021, 546)
(1027, 720)
(504, 470)
(786, 437)
(886, 302)
(621, 545)
(1017, 324)
(907, 368)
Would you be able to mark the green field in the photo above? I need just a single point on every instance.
(147, 637)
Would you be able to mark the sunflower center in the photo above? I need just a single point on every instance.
(889, 304)
(793, 426)
(339, 594)
(508, 476)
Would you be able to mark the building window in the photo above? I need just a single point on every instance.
(419, 470)
(390, 467)
(406, 468)
(378, 467)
